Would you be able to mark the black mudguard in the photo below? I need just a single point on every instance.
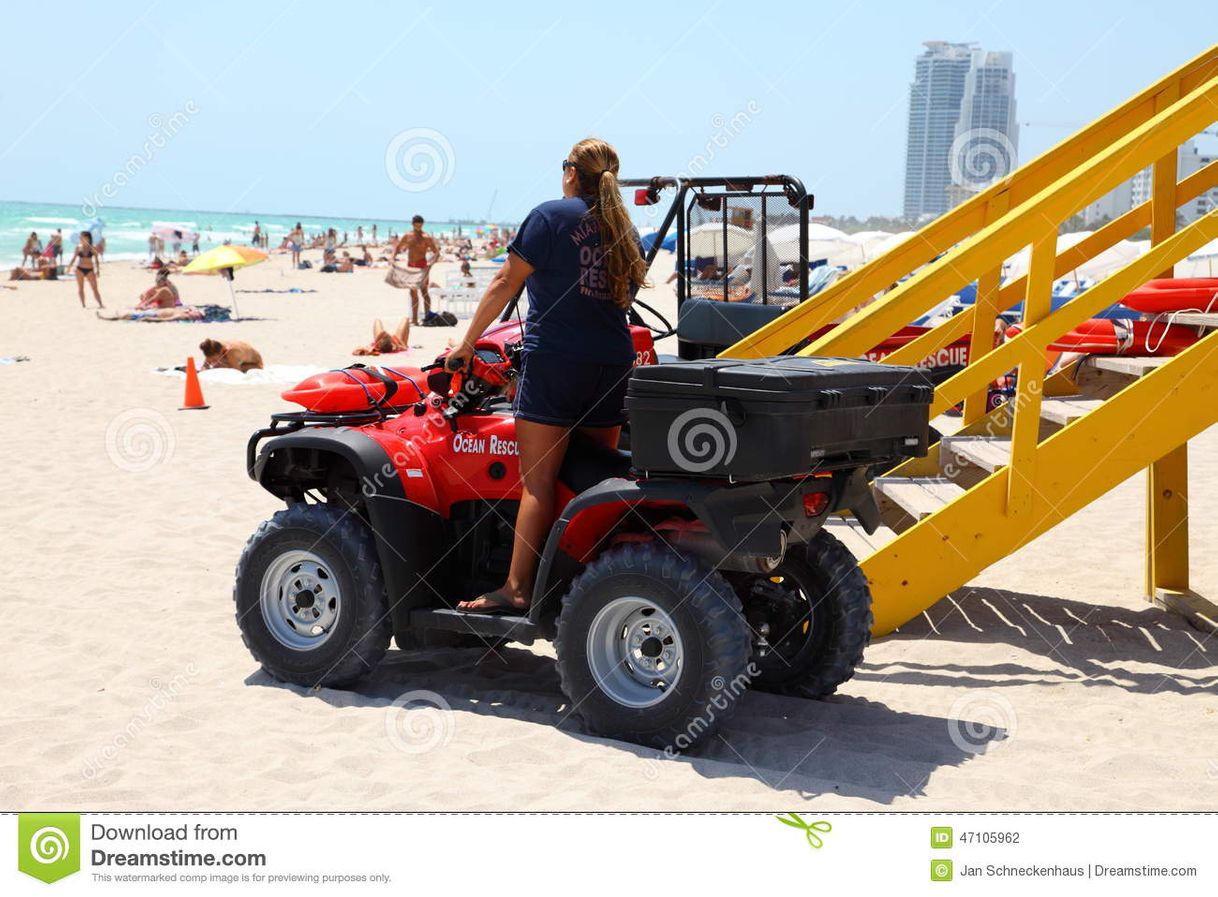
(751, 518)
(409, 537)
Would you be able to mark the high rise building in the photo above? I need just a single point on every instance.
(962, 132)
(1138, 189)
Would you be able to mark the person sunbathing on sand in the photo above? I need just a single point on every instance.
(43, 269)
(177, 313)
(236, 355)
(161, 294)
(385, 343)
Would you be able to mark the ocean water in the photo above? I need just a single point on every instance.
(126, 230)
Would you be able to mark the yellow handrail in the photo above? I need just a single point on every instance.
(1106, 237)
(1035, 339)
(860, 285)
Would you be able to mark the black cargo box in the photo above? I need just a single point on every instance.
(767, 418)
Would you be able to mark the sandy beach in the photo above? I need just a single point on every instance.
(1048, 684)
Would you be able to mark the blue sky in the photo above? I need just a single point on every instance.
(294, 110)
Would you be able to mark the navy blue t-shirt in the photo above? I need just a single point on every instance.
(571, 312)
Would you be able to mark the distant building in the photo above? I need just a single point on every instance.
(962, 133)
(1139, 188)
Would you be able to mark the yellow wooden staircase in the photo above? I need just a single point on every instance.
(1062, 441)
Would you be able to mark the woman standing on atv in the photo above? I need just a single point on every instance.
(581, 260)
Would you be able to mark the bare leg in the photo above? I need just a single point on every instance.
(96, 294)
(80, 287)
(606, 436)
(426, 296)
(542, 448)
(414, 306)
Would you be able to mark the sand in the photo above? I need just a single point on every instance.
(1047, 684)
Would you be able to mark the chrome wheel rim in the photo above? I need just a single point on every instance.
(635, 652)
(300, 600)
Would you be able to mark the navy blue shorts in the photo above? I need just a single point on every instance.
(564, 393)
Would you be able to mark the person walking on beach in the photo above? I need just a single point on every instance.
(31, 249)
(296, 243)
(582, 262)
(56, 247)
(417, 244)
(256, 240)
(374, 235)
(87, 261)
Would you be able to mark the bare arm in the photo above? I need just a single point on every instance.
(504, 285)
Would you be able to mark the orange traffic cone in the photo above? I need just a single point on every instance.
(194, 392)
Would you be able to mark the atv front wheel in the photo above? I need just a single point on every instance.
(311, 604)
(817, 610)
(652, 648)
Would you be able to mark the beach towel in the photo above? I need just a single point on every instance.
(405, 278)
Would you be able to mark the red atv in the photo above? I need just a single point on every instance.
(668, 585)
(675, 576)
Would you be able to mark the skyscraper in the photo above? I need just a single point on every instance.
(962, 130)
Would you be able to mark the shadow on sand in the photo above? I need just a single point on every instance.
(847, 746)
(1143, 650)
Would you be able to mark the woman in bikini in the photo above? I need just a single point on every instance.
(87, 261)
(384, 342)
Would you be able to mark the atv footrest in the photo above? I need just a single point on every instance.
(516, 628)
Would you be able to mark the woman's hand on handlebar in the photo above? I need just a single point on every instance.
(458, 358)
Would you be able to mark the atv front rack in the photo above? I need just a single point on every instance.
(291, 421)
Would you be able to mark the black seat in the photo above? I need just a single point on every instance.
(708, 326)
(588, 462)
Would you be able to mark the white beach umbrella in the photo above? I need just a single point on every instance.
(708, 241)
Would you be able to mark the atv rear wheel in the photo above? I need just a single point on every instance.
(652, 648)
(310, 601)
(818, 611)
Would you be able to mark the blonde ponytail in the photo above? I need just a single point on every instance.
(596, 164)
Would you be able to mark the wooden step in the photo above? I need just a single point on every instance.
(858, 541)
(1067, 409)
(988, 453)
(1129, 365)
(919, 496)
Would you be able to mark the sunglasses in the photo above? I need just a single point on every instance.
(567, 163)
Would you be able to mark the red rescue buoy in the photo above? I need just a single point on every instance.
(1122, 336)
(1175, 294)
(357, 388)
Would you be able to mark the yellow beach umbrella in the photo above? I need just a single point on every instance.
(223, 260)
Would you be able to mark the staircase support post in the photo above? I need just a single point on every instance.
(1167, 478)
